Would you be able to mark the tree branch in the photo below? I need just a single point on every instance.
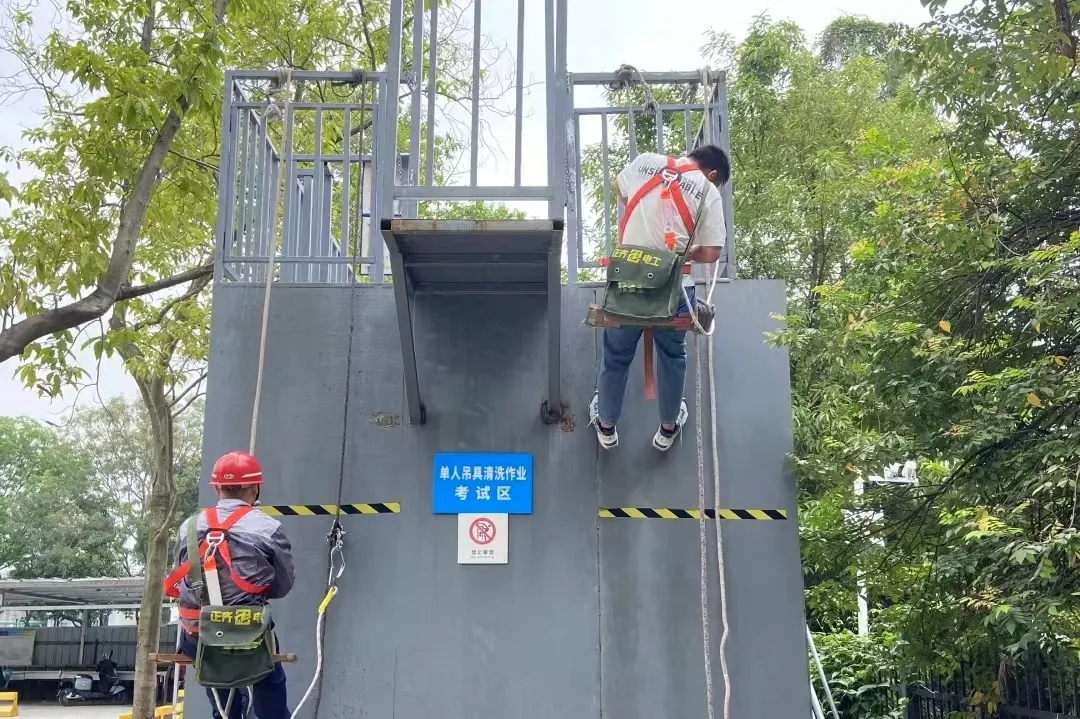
(198, 381)
(15, 339)
(197, 285)
(127, 293)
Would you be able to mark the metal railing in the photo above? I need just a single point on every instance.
(352, 148)
(1036, 686)
(320, 213)
(421, 87)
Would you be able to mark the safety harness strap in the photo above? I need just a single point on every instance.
(215, 532)
(198, 583)
(669, 177)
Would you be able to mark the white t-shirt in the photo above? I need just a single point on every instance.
(647, 223)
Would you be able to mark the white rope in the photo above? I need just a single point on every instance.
(702, 534)
(284, 88)
(318, 664)
(719, 538)
(714, 447)
(709, 692)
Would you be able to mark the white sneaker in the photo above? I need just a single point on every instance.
(608, 438)
(663, 440)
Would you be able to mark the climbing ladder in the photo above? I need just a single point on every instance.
(433, 334)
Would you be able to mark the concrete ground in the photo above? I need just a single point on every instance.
(55, 711)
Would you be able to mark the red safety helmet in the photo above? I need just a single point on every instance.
(236, 469)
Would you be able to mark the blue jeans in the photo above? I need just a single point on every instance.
(620, 346)
(268, 695)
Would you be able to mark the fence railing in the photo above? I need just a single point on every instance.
(1036, 686)
(311, 161)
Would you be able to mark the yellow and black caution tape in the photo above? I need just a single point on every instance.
(667, 513)
(328, 510)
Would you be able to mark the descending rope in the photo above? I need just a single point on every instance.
(719, 537)
(625, 75)
(702, 518)
(336, 536)
(284, 82)
(714, 447)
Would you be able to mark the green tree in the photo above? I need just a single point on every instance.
(116, 438)
(949, 335)
(55, 518)
(119, 219)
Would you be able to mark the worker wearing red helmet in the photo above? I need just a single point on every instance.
(258, 567)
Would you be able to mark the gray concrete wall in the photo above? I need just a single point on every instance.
(591, 617)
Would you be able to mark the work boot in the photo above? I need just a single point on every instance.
(663, 439)
(607, 436)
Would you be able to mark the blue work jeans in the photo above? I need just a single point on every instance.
(620, 346)
(268, 695)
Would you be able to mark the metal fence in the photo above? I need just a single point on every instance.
(1036, 686)
(319, 214)
(61, 647)
(312, 161)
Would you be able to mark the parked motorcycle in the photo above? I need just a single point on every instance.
(82, 692)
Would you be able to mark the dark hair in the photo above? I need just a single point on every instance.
(711, 157)
(235, 491)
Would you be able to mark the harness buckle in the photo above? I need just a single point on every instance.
(669, 175)
(214, 539)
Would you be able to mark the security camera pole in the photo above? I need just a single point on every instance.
(894, 474)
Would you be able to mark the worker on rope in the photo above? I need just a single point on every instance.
(225, 618)
(657, 234)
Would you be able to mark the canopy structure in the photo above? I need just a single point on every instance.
(57, 595)
(71, 649)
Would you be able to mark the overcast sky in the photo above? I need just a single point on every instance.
(603, 34)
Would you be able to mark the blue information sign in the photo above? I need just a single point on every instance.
(474, 482)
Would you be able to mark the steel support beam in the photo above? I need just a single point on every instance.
(479, 193)
(403, 302)
(552, 408)
(652, 78)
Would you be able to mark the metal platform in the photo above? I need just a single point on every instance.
(471, 257)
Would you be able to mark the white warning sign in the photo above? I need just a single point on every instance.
(483, 539)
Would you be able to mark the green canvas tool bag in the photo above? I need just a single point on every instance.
(644, 284)
(235, 648)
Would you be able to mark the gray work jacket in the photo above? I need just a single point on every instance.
(261, 557)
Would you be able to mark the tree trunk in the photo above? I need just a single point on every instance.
(159, 521)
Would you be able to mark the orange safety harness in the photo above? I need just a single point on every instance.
(213, 544)
(668, 181)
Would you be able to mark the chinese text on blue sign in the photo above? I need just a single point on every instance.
(468, 482)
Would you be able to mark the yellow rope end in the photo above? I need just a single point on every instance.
(327, 599)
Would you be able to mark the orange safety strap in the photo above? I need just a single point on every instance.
(172, 582)
(189, 618)
(669, 177)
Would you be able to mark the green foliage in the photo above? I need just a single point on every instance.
(932, 268)
(862, 672)
(54, 517)
(73, 498)
(116, 437)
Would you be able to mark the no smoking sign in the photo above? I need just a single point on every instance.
(482, 539)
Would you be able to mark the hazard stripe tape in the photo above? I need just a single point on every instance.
(328, 510)
(666, 513)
